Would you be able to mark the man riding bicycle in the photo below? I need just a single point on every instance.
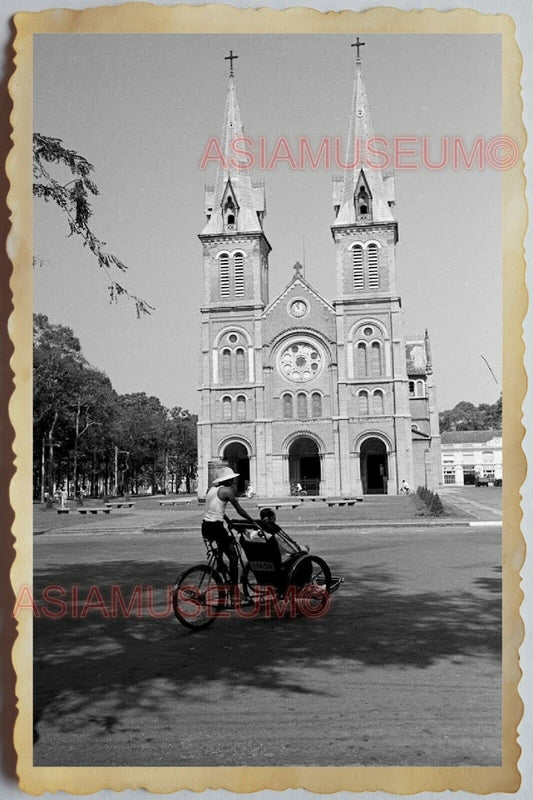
(219, 495)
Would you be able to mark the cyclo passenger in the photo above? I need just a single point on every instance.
(269, 528)
(219, 495)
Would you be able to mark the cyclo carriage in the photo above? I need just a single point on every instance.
(302, 582)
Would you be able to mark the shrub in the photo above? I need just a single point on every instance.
(436, 507)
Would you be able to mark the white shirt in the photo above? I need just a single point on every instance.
(215, 508)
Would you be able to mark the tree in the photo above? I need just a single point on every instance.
(140, 434)
(72, 198)
(468, 417)
(94, 405)
(183, 445)
(71, 399)
(57, 366)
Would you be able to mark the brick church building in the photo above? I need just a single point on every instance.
(300, 388)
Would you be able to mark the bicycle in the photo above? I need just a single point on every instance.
(201, 593)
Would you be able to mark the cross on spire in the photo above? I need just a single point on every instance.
(358, 44)
(297, 269)
(231, 58)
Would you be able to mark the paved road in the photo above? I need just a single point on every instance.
(404, 670)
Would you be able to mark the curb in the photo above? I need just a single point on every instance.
(318, 526)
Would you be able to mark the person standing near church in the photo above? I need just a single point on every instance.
(219, 495)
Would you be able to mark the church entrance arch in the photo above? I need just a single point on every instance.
(304, 464)
(236, 456)
(374, 466)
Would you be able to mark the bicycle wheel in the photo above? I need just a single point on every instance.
(253, 590)
(311, 578)
(198, 597)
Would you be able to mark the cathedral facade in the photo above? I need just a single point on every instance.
(301, 389)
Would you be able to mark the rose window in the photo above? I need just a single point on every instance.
(300, 362)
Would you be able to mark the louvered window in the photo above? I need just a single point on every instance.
(226, 408)
(358, 273)
(316, 403)
(239, 365)
(287, 406)
(363, 403)
(378, 402)
(226, 366)
(361, 360)
(224, 275)
(301, 402)
(375, 359)
(373, 271)
(239, 274)
(241, 407)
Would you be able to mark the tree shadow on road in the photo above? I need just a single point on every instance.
(148, 663)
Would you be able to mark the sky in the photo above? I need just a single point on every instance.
(141, 109)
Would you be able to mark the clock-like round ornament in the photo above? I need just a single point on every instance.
(298, 308)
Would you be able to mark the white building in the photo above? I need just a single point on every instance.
(467, 454)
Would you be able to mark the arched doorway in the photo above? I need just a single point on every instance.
(304, 464)
(374, 466)
(236, 456)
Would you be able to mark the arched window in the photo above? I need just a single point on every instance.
(316, 404)
(238, 261)
(287, 406)
(301, 405)
(363, 201)
(363, 403)
(372, 262)
(241, 407)
(224, 275)
(420, 389)
(239, 365)
(358, 273)
(226, 408)
(411, 388)
(362, 366)
(375, 358)
(378, 402)
(229, 213)
(226, 365)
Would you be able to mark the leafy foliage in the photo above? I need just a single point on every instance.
(431, 500)
(468, 417)
(86, 435)
(73, 199)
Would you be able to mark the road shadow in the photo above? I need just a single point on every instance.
(78, 662)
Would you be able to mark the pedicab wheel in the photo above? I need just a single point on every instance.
(198, 597)
(253, 590)
(248, 582)
(311, 578)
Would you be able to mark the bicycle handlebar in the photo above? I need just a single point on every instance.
(242, 523)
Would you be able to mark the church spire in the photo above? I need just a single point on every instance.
(234, 204)
(364, 196)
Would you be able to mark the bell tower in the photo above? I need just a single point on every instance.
(235, 276)
(235, 246)
(365, 231)
(373, 388)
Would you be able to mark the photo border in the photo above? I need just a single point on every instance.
(143, 18)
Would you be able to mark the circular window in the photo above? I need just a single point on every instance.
(300, 362)
(233, 338)
(368, 331)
